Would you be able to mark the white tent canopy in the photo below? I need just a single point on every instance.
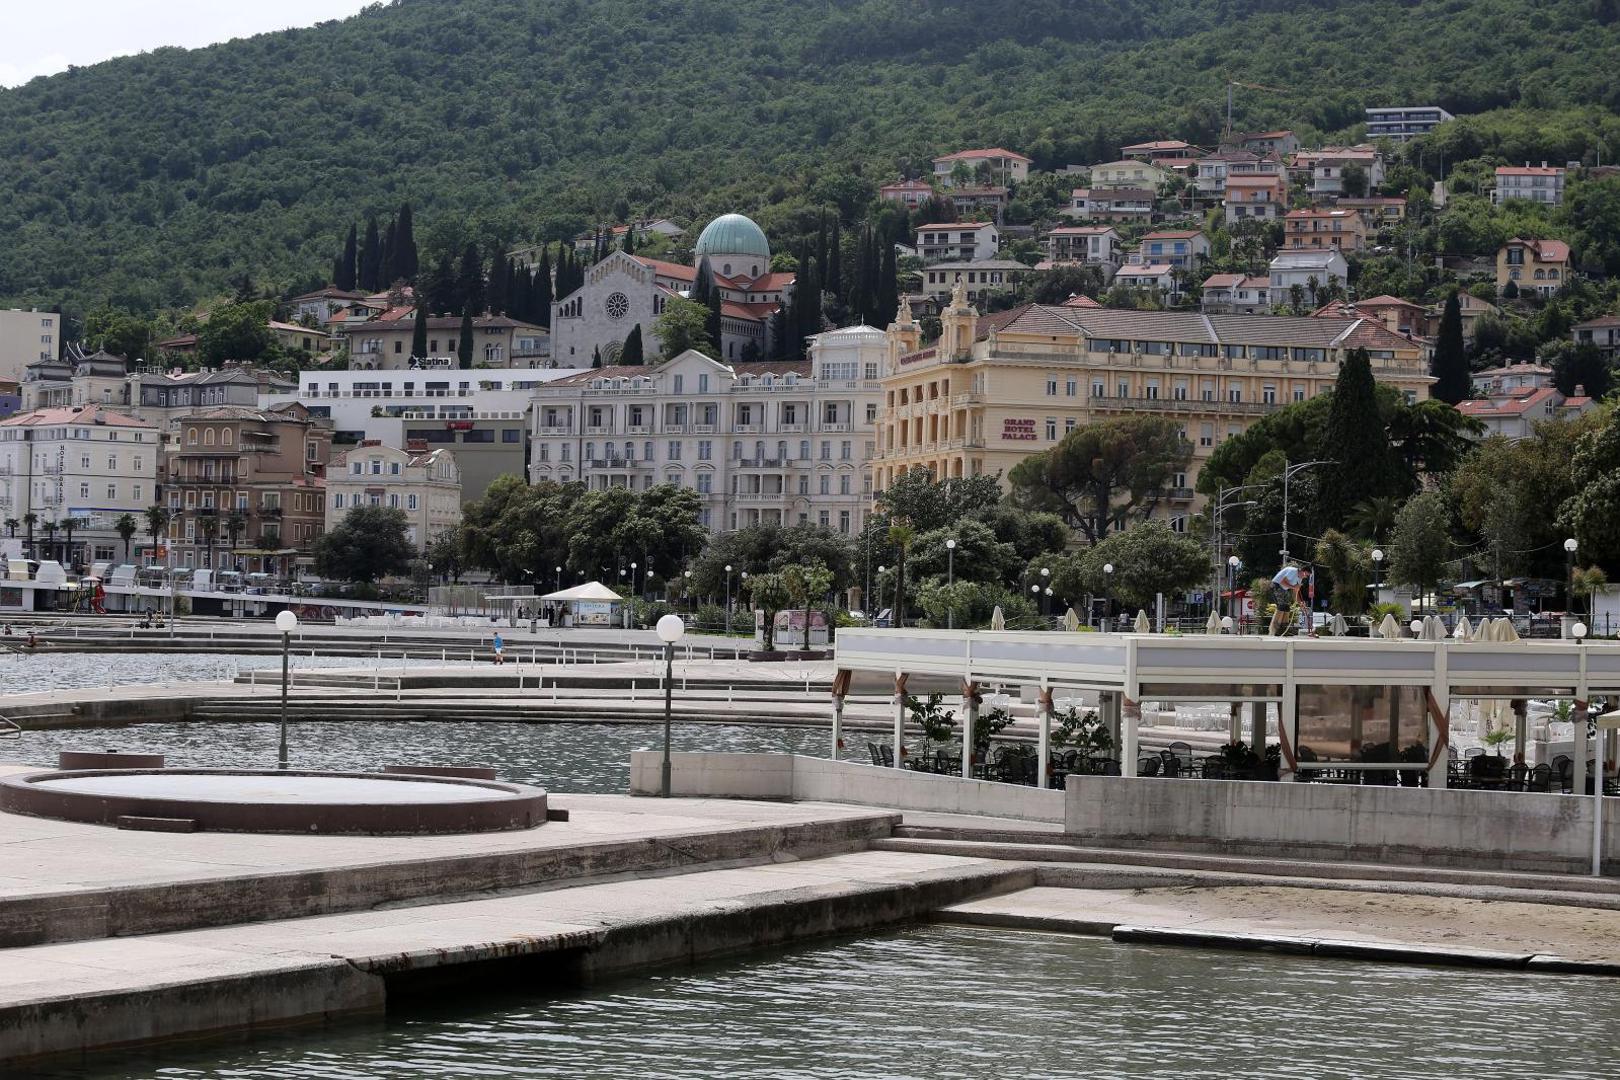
(591, 590)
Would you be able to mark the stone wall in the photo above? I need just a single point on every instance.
(1461, 828)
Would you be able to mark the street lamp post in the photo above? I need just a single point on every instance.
(728, 598)
(1571, 546)
(1288, 473)
(286, 622)
(559, 579)
(950, 582)
(1046, 603)
(686, 587)
(1378, 567)
(1232, 564)
(1108, 592)
(174, 599)
(670, 630)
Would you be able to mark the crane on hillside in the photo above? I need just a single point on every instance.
(1231, 84)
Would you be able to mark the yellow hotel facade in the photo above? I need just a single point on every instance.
(994, 389)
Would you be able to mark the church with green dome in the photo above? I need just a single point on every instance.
(623, 291)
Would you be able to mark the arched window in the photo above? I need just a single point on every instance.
(225, 436)
(208, 436)
(191, 436)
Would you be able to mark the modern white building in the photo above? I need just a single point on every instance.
(781, 443)
(424, 484)
(1542, 184)
(27, 337)
(981, 278)
(1311, 270)
(82, 462)
(1405, 122)
(963, 241)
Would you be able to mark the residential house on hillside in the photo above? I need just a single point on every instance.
(1214, 169)
(1376, 211)
(1236, 294)
(1312, 270)
(908, 193)
(1514, 413)
(1603, 332)
(981, 278)
(972, 201)
(1112, 204)
(1131, 173)
(1469, 306)
(1401, 316)
(293, 336)
(1150, 277)
(384, 344)
(1160, 150)
(1538, 266)
(1325, 168)
(1324, 228)
(958, 242)
(1261, 197)
(322, 304)
(1004, 167)
(1283, 143)
(612, 236)
(1542, 184)
(1183, 249)
(1096, 245)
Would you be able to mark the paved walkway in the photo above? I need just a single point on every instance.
(1428, 922)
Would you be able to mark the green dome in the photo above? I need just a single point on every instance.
(732, 234)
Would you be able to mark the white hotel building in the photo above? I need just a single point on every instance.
(779, 443)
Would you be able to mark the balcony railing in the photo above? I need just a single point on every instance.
(760, 463)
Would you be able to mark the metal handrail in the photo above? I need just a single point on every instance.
(9, 729)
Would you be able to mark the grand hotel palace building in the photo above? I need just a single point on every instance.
(994, 389)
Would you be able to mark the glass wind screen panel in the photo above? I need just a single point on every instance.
(1501, 692)
(1362, 723)
(1196, 658)
(1205, 691)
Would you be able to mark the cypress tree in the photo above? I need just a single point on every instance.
(344, 277)
(405, 258)
(337, 270)
(1362, 464)
(832, 266)
(464, 344)
(631, 354)
(470, 279)
(1450, 363)
(499, 280)
(385, 259)
(596, 357)
(714, 325)
(541, 302)
(370, 254)
(888, 291)
(419, 332)
(630, 239)
(439, 290)
(805, 316)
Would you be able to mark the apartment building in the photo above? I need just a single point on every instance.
(1236, 294)
(88, 463)
(1258, 197)
(422, 483)
(780, 443)
(1325, 168)
(27, 337)
(981, 278)
(243, 488)
(1131, 173)
(1542, 184)
(1183, 249)
(967, 241)
(1111, 204)
(1602, 332)
(993, 390)
(908, 193)
(1311, 269)
(384, 344)
(1324, 227)
(156, 395)
(1405, 122)
(1160, 150)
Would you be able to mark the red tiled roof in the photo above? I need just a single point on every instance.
(1388, 301)
(668, 269)
(74, 414)
(1081, 300)
(1532, 170)
(1599, 322)
(1546, 250)
(1516, 405)
(1158, 144)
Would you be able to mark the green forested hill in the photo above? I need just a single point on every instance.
(153, 180)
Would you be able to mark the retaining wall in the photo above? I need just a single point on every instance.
(813, 779)
(1462, 828)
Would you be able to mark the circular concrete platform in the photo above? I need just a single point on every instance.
(246, 800)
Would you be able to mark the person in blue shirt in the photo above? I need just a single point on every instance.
(500, 646)
(1285, 593)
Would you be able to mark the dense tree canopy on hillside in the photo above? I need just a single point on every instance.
(509, 120)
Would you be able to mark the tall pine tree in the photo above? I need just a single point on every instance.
(370, 267)
(385, 258)
(419, 332)
(1361, 464)
(631, 354)
(405, 257)
(1450, 364)
(470, 279)
(464, 343)
(888, 288)
(832, 269)
(541, 305)
(630, 239)
(344, 275)
(500, 279)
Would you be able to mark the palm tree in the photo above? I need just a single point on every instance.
(900, 536)
(127, 529)
(157, 520)
(1585, 581)
(235, 523)
(70, 523)
(1372, 519)
(30, 519)
(50, 528)
(11, 528)
(209, 525)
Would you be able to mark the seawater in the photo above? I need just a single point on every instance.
(952, 1003)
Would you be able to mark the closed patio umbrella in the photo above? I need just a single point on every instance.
(1212, 625)
(1142, 625)
(1389, 629)
(1340, 627)
(1464, 630)
(1482, 632)
(1071, 620)
(1434, 629)
(998, 621)
(1508, 631)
